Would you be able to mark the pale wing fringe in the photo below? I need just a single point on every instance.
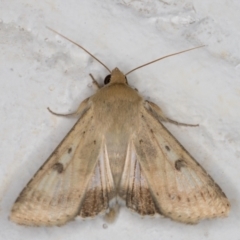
(55, 193)
(100, 189)
(180, 187)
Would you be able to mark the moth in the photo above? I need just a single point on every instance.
(119, 152)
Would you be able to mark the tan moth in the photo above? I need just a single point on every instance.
(119, 151)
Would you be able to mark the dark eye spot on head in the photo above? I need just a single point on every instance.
(58, 167)
(107, 79)
(179, 164)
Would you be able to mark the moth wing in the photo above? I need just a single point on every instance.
(179, 187)
(100, 189)
(57, 192)
(134, 189)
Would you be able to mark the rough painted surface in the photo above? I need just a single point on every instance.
(39, 69)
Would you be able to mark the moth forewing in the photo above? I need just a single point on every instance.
(119, 150)
(181, 188)
(55, 193)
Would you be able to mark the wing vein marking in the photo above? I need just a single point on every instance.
(133, 183)
(96, 189)
(135, 189)
(109, 178)
(129, 163)
(190, 175)
(169, 190)
(140, 188)
(101, 182)
(105, 184)
(100, 189)
(165, 177)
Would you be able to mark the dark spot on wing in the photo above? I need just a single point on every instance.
(58, 167)
(171, 196)
(94, 142)
(179, 164)
(167, 148)
(197, 163)
(69, 150)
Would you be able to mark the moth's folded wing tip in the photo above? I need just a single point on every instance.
(15, 215)
(18, 218)
(226, 207)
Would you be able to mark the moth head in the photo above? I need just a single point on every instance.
(116, 76)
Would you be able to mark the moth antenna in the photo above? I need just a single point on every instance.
(163, 58)
(80, 47)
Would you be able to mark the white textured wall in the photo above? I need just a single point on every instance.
(39, 69)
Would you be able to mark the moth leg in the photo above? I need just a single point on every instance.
(95, 83)
(157, 113)
(84, 106)
(181, 124)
